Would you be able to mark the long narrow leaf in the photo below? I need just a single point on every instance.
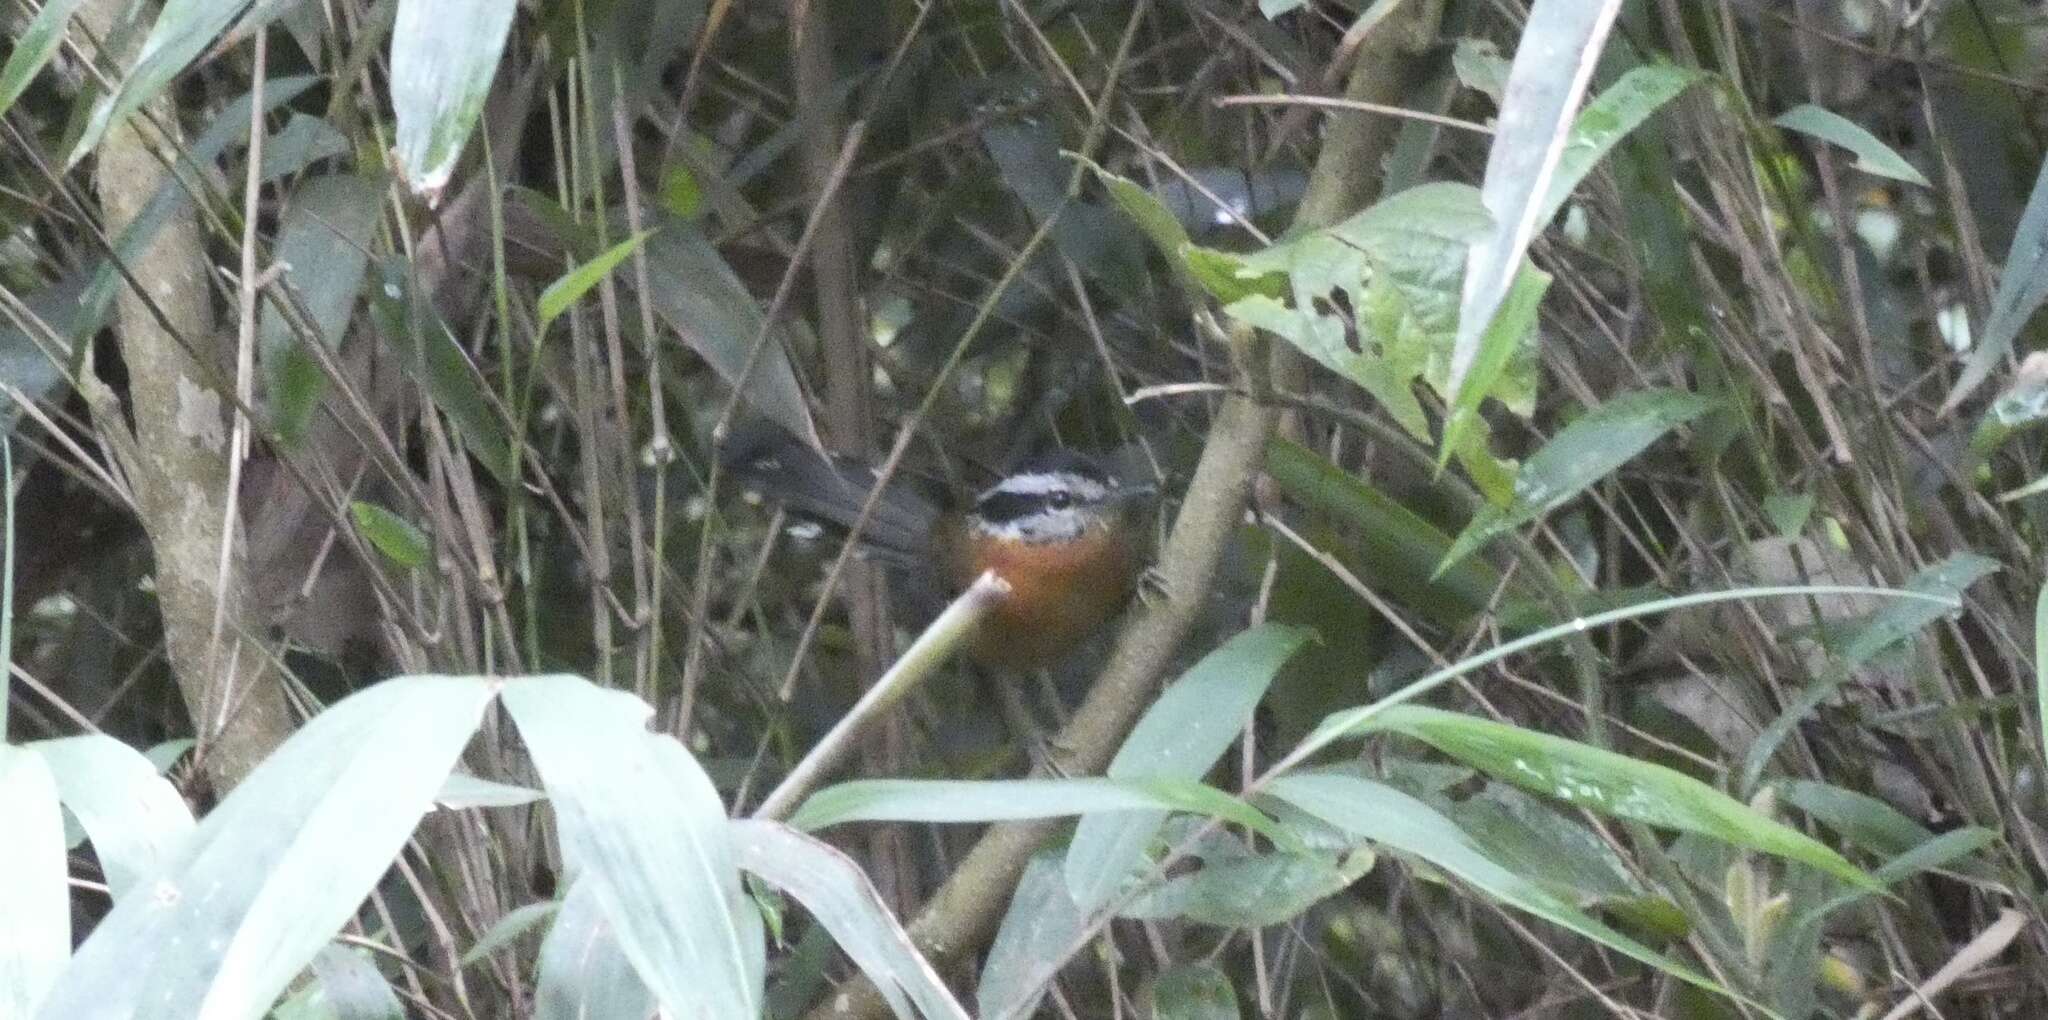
(836, 892)
(1384, 815)
(1180, 737)
(35, 912)
(946, 800)
(641, 823)
(1553, 64)
(1613, 784)
(133, 815)
(444, 54)
(269, 877)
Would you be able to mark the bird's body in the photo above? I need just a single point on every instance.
(1061, 531)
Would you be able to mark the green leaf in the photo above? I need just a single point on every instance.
(681, 195)
(1945, 582)
(1032, 943)
(278, 867)
(135, 818)
(836, 892)
(1612, 784)
(961, 800)
(2041, 663)
(508, 929)
(700, 297)
(564, 292)
(439, 362)
(1609, 118)
(182, 31)
(1583, 453)
(1554, 59)
(2022, 287)
(347, 985)
(1510, 332)
(1872, 155)
(392, 535)
(444, 54)
(35, 908)
(1194, 991)
(582, 972)
(1338, 725)
(1181, 736)
(642, 825)
(1541, 844)
(1397, 549)
(463, 790)
(1226, 276)
(33, 48)
(1386, 816)
(1145, 209)
(1252, 890)
(323, 248)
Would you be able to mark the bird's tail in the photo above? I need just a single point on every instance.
(830, 491)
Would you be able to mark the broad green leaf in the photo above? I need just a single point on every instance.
(1352, 721)
(1859, 818)
(961, 800)
(1194, 991)
(1609, 118)
(577, 282)
(1397, 264)
(278, 867)
(323, 248)
(1554, 60)
(1582, 453)
(1945, 582)
(345, 985)
(582, 974)
(1480, 67)
(440, 364)
(1144, 209)
(1252, 890)
(641, 824)
(1099, 241)
(1386, 816)
(1613, 784)
(2021, 289)
(1181, 736)
(35, 907)
(135, 817)
(1032, 943)
(1541, 844)
(1872, 156)
(836, 892)
(1226, 277)
(463, 790)
(394, 536)
(700, 297)
(444, 54)
(1510, 332)
(1397, 548)
(302, 141)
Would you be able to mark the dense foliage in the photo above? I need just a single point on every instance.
(1593, 575)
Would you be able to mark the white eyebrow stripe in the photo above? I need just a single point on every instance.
(1039, 483)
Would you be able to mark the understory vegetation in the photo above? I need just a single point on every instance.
(1595, 570)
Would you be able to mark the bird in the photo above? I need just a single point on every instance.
(1064, 533)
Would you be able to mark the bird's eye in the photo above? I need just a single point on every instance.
(1060, 500)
